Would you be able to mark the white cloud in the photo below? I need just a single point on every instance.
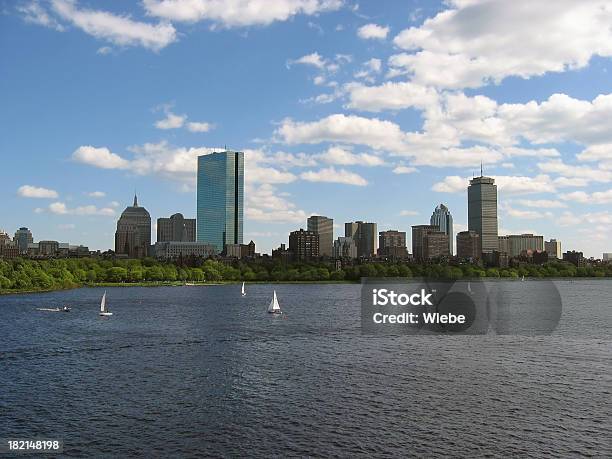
(237, 13)
(524, 214)
(473, 42)
(571, 219)
(408, 213)
(370, 68)
(194, 126)
(333, 175)
(373, 31)
(542, 203)
(601, 152)
(96, 194)
(313, 59)
(171, 121)
(99, 157)
(584, 172)
(29, 191)
(598, 197)
(404, 170)
(119, 30)
(390, 96)
(104, 50)
(33, 13)
(265, 204)
(60, 208)
(505, 183)
(345, 157)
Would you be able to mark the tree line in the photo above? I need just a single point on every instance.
(35, 275)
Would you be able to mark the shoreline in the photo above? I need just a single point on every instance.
(6, 292)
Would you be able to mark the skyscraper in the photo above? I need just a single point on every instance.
(220, 199)
(176, 228)
(324, 227)
(443, 219)
(364, 234)
(133, 235)
(482, 211)
(23, 237)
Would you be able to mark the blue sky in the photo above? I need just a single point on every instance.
(375, 111)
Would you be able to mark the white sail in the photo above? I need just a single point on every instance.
(103, 303)
(243, 292)
(274, 306)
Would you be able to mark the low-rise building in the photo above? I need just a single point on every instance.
(575, 258)
(428, 242)
(344, 247)
(392, 244)
(468, 245)
(172, 250)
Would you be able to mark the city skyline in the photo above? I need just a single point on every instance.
(337, 113)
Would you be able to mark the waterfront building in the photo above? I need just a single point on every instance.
(324, 227)
(176, 228)
(606, 256)
(364, 234)
(48, 248)
(344, 247)
(282, 254)
(23, 237)
(133, 235)
(515, 244)
(482, 211)
(429, 242)
(171, 250)
(220, 198)
(575, 258)
(443, 219)
(468, 245)
(304, 244)
(392, 244)
(8, 249)
(553, 248)
(240, 250)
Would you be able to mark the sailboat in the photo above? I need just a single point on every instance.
(523, 278)
(103, 308)
(274, 307)
(243, 290)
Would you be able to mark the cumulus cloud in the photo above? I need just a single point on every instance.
(475, 42)
(404, 170)
(333, 175)
(236, 13)
(120, 30)
(542, 203)
(29, 191)
(171, 121)
(390, 96)
(373, 31)
(345, 157)
(60, 208)
(96, 194)
(99, 157)
(33, 13)
(265, 203)
(195, 126)
(583, 172)
(505, 183)
(597, 197)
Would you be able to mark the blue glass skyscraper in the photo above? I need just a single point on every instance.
(220, 200)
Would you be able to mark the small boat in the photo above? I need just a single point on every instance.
(523, 278)
(243, 290)
(274, 307)
(49, 309)
(66, 309)
(103, 309)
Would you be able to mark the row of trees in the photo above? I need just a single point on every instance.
(25, 274)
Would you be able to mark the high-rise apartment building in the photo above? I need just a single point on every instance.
(176, 229)
(429, 242)
(304, 244)
(133, 235)
(392, 243)
(482, 211)
(364, 234)
(23, 237)
(468, 245)
(553, 249)
(443, 219)
(220, 200)
(324, 227)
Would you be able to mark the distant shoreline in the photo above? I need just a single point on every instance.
(217, 283)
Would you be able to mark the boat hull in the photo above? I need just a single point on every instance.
(106, 313)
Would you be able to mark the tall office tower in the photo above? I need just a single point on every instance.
(392, 243)
(304, 244)
(23, 237)
(553, 248)
(442, 218)
(220, 200)
(176, 229)
(133, 235)
(482, 211)
(364, 234)
(468, 245)
(324, 227)
(429, 242)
